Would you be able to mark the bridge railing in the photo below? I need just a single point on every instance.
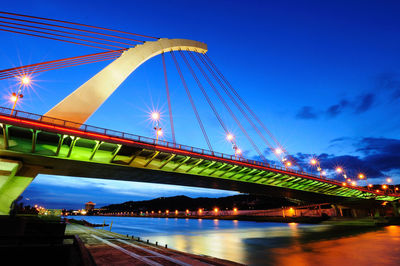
(123, 135)
(128, 136)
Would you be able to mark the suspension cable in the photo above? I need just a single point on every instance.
(236, 103)
(243, 102)
(65, 32)
(191, 101)
(49, 65)
(70, 28)
(239, 107)
(77, 24)
(204, 92)
(56, 39)
(59, 35)
(171, 121)
(250, 111)
(227, 107)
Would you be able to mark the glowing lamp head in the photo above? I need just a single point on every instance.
(339, 170)
(155, 115)
(344, 184)
(278, 151)
(229, 137)
(238, 151)
(159, 132)
(25, 80)
(396, 188)
(389, 180)
(216, 209)
(13, 98)
(323, 173)
(384, 186)
(288, 164)
(370, 185)
(353, 183)
(313, 162)
(361, 176)
(235, 209)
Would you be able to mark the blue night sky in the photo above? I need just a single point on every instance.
(323, 76)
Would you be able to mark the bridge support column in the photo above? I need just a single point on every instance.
(11, 185)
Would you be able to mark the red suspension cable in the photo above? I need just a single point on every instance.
(60, 63)
(249, 109)
(65, 32)
(227, 107)
(243, 102)
(77, 24)
(236, 104)
(204, 92)
(171, 121)
(59, 35)
(50, 38)
(192, 102)
(70, 28)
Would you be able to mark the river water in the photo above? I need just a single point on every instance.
(256, 243)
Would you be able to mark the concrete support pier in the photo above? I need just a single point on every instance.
(11, 184)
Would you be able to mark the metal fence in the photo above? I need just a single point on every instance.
(127, 136)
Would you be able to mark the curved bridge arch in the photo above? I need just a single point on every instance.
(84, 101)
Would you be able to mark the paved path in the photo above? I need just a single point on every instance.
(108, 248)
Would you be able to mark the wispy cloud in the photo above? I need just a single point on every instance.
(307, 112)
(385, 88)
(377, 157)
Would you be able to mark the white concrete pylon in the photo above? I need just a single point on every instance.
(84, 101)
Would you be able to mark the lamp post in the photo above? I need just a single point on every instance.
(315, 162)
(362, 176)
(24, 81)
(235, 148)
(155, 116)
(341, 171)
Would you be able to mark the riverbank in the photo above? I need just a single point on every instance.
(110, 248)
(273, 219)
(264, 243)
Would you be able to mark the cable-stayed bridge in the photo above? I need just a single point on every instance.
(60, 143)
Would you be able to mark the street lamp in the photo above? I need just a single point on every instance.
(315, 162)
(24, 81)
(235, 148)
(155, 116)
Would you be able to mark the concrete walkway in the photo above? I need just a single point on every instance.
(108, 248)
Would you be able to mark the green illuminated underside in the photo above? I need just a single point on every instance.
(51, 145)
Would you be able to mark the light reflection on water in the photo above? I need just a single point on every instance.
(255, 243)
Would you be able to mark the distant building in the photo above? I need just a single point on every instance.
(89, 206)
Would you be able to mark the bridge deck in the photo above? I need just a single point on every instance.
(36, 139)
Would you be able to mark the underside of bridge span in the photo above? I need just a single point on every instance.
(29, 147)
